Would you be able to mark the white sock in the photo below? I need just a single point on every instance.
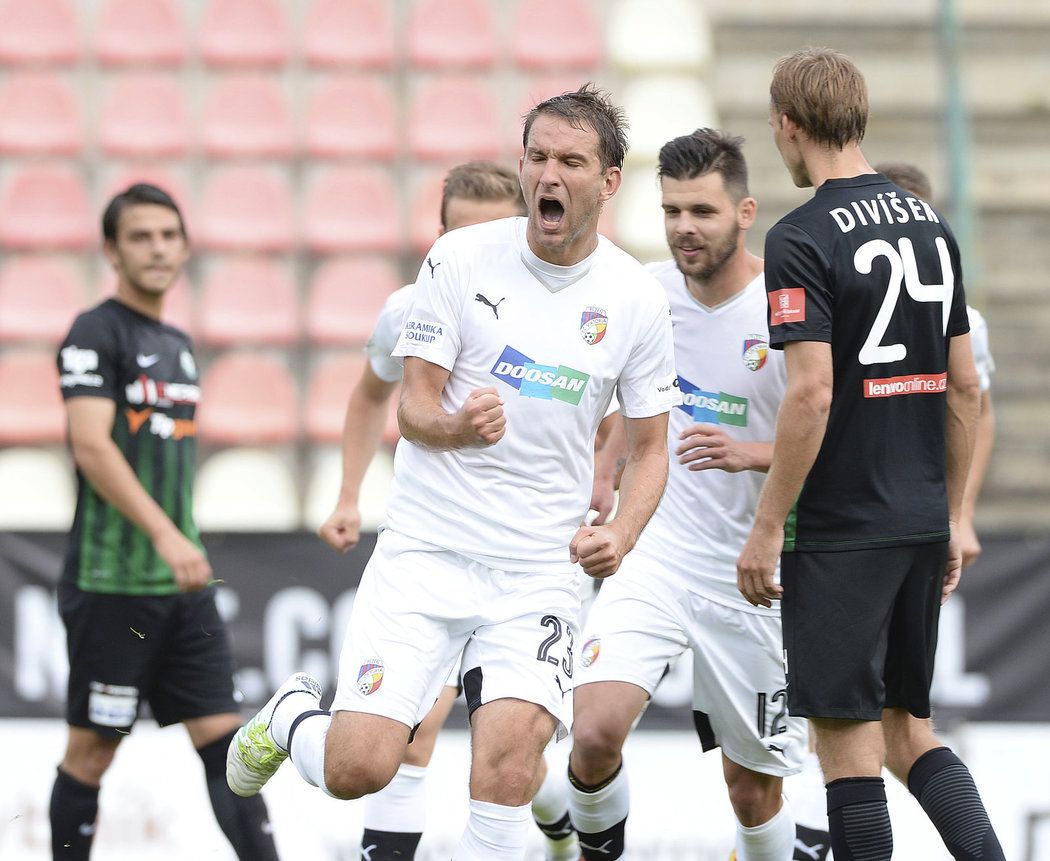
(307, 753)
(286, 712)
(595, 812)
(773, 840)
(550, 809)
(495, 832)
(401, 806)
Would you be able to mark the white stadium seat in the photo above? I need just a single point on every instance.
(40, 492)
(246, 490)
(646, 100)
(640, 41)
(323, 488)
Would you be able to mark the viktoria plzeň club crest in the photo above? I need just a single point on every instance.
(370, 676)
(593, 323)
(756, 348)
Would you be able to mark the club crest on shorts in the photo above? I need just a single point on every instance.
(756, 349)
(593, 323)
(370, 676)
(591, 649)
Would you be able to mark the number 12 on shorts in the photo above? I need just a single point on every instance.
(762, 707)
(557, 630)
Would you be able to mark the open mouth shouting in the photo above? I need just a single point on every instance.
(552, 211)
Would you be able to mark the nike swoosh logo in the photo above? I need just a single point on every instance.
(147, 361)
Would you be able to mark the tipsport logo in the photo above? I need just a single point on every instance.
(718, 408)
(533, 380)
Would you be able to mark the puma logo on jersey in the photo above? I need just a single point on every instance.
(147, 361)
(432, 266)
(495, 308)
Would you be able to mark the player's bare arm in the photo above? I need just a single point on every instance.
(707, 446)
(960, 424)
(610, 453)
(983, 443)
(801, 423)
(478, 422)
(103, 464)
(600, 549)
(362, 431)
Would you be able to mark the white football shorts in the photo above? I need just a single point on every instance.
(419, 606)
(638, 626)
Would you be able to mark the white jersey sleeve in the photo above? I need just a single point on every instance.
(385, 334)
(431, 330)
(648, 385)
(982, 354)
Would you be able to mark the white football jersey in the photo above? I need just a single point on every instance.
(385, 334)
(556, 342)
(730, 378)
(982, 354)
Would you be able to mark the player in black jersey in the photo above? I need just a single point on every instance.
(874, 439)
(135, 595)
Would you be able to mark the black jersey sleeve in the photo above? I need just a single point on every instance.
(798, 287)
(87, 359)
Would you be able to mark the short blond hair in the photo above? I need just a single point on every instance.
(824, 93)
(481, 180)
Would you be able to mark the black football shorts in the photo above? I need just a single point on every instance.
(860, 630)
(170, 651)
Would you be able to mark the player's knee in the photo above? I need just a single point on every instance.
(510, 780)
(595, 743)
(88, 763)
(352, 782)
(755, 798)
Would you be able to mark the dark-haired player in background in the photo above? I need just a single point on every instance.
(140, 615)
(872, 449)
(914, 180)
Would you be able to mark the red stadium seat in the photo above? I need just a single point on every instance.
(244, 32)
(248, 399)
(31, 409)
(556, 33)
(352, 117)
(249, 300)
(247, 115)
(349, 33)
(145, 114)
(346, 296)
(45, 206)
(39, 114)
(425, 225)
(327, 394)
(455, 118)
(247, 208)
(452, 33)
(39, 297)
(131, 32)
(351, 209)
(38, 31)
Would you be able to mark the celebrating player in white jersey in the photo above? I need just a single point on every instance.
(677, 589)
(520, 333)
(473, 193)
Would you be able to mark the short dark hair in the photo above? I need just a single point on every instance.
(823, 92)
(587, 106)
(138, 193)
(908, 176)
(481, 180)
(706, 151)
